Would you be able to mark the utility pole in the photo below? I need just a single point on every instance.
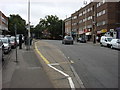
(29, 25)
(15, 27)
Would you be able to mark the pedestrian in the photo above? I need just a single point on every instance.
(94, 39)
(20, 41)
(26, 41)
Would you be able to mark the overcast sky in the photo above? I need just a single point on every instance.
(40, 8)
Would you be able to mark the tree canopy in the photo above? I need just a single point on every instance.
(50, 27)
(20, 24)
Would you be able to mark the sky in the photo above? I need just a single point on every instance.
(40, 8)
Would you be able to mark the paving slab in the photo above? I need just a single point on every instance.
(27, 73)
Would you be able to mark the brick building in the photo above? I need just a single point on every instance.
(68, 26)
(96, 19)
(3, 23)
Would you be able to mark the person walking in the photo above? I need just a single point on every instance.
(20, 41)
(26, 42)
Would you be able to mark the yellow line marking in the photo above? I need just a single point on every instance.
(46, 61)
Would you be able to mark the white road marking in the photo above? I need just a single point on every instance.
(66, 75)
(48, 63)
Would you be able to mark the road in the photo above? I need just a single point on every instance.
(96, 66)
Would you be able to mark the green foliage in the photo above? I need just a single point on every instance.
(20, 24)
(50, 27)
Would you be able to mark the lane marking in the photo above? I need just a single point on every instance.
(48, 63)
(66, 75)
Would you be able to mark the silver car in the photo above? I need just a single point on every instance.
(6, 44)
(67, 40)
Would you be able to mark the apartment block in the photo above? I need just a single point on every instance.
(3, 23)
(96, 19)
(68, 26)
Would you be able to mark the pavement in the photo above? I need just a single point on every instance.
(27, 72)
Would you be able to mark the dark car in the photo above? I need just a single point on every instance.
(67, 40)
(82, 40)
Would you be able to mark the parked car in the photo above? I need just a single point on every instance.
(1, 36)
(6, 44)
(67, 40)
(105, 41)
(115, 43)
(81, 40)
(1, 51)
(12, 41)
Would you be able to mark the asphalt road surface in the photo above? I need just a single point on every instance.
(96, 66)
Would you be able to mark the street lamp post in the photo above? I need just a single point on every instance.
(28, 24)
(62, 29)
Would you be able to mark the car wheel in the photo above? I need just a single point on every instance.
(101, 44)
(108, 45)
(72, 43)
(111, 46)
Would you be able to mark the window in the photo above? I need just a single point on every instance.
(84, 19)
(104, 22)
(88, 10)
(101, 23)
(80, 14)
(80, 21)
(100, 13)
(103, 12)
(89, 18)
(91, 9)
(83, 12)
(100, 3)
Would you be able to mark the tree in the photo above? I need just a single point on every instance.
(51, 26)
(20, 24)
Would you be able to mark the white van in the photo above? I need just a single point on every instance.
(115, 43)
(105, 41)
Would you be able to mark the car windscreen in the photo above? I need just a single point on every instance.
(109, 39)
(4, 40)
(12, 39)
(69, 38)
